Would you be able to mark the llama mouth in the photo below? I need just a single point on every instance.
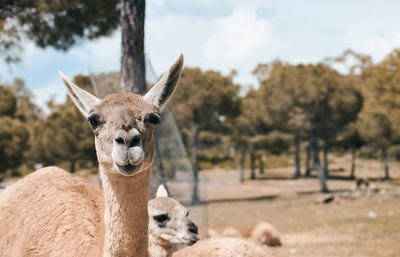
(128, 169)
(192, 240)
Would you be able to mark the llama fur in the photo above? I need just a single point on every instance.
(176, 229)
(225, 247)
(265, 234)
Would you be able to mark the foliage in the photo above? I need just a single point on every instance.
(13, 134)
(8, 102)
(382, 90)
(13, 142)
(274, 142)
(55, 23)
(64, 135)
(204, 100)
(306, 99)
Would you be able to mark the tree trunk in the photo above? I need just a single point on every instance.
(308, 158)
(72, 167)
(353, 163)
(261, 163)
(385, 162)
(241, 164)
(320, 172)
(297, 173)
(195, 193)
(252, 166)
(326, 162)
(133, 60)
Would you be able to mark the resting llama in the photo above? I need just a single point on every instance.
(264, 233)
(225, 246)
(169, 225)
(53, 213)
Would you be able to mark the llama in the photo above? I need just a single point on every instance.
(169, 225)
(231, 232)
(225, 246)
(265, 234)
(53, 213)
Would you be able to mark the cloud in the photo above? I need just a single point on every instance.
(238, 41)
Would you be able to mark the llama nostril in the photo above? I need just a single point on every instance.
(135, 142)
(192, 228)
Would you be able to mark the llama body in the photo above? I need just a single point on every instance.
(41, 234)
(264, 233)
(53, 213)
(225, 246)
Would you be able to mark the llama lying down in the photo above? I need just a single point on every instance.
(53, 213)
(169, 225)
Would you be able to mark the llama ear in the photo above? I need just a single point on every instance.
(160, 93)
(161, 191)
(82, 99)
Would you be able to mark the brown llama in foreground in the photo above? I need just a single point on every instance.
(53, 213)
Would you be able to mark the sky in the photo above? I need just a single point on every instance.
(224, 35)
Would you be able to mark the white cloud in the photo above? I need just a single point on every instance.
(240, 42)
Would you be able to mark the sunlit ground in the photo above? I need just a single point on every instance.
(363, 226)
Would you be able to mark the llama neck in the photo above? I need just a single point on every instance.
(158, 250)
(125, 215)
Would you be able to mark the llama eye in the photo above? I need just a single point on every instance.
(161, 218)
(153, 119)
(119, 140)
(94, 121)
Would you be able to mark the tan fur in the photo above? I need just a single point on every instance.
(55, 201)
(211, 233)
(225, 247)
(265, 234)
(53, 213)
(231, 232)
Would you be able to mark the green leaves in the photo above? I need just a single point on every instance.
(55, 23)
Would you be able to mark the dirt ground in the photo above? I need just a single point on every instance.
(351, 225)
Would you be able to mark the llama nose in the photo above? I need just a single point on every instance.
(130, 139)
(192, 228)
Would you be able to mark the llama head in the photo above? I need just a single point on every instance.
(168, 221)
(123, 124)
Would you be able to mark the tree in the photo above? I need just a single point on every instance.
(27, 111)
(381, 115)
(351, 139)
(282, 87)
(13, 134)
(247, 129)
(311, 101)
(202, 102)
(64, 136)
(133, 59)
(59, 24)
(8, 102)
